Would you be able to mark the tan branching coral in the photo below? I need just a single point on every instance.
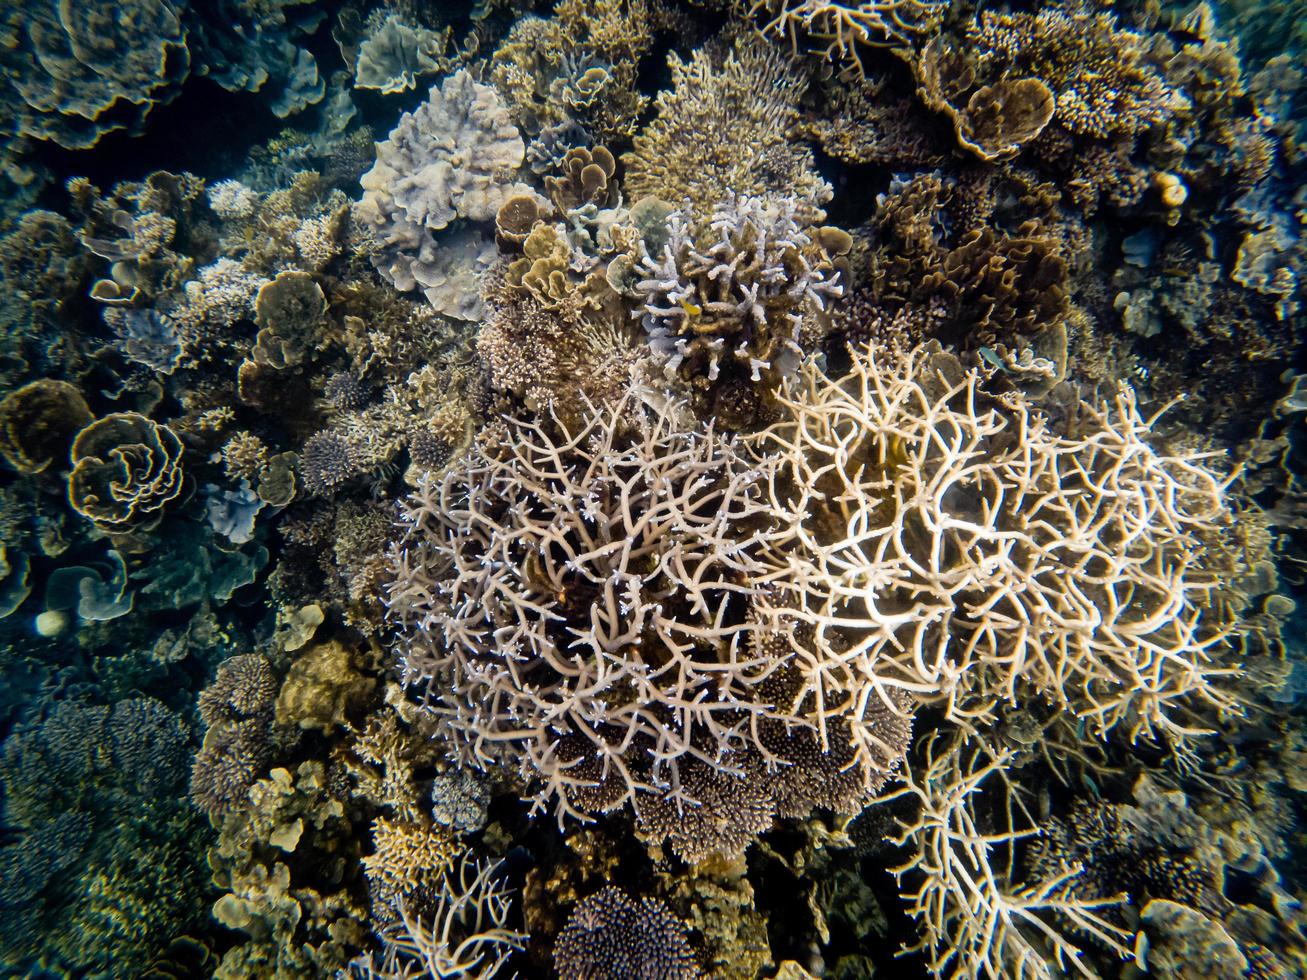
(725, 124)
(126, 468)
(578, 602)
(1099, 75)
(975, 920)
(461, 931)
(847, 27)
(963, 552)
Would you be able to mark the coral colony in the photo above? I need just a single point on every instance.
(653, 489)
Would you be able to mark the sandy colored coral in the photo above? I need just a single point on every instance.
(1021, 586)
(725, 125)
(453, 157)
(321, 688)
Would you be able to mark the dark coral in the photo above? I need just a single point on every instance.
(614, 936)
(326, 462)
(38, 422)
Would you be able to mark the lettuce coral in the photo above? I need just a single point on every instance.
(126, 468)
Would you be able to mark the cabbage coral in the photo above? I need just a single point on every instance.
(940, 543)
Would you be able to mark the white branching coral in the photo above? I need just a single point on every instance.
(975, 920)
(463, 934)
(738, 296)
(847, 27)
(452, 157)
(579, 602)
(936, 542)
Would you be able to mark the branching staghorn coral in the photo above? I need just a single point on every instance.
(733, 300)
(464, 935)
(975, 920)
(604, 576)
(577, 601)
(942, 544)
(847, 27)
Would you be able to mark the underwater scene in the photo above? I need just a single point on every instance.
(653, 489)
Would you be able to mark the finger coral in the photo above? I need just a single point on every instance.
(729, 304)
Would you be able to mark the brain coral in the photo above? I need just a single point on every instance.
(452, 157)
(579, 602)
(126, 468)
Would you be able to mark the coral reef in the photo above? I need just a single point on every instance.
(840, 463)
